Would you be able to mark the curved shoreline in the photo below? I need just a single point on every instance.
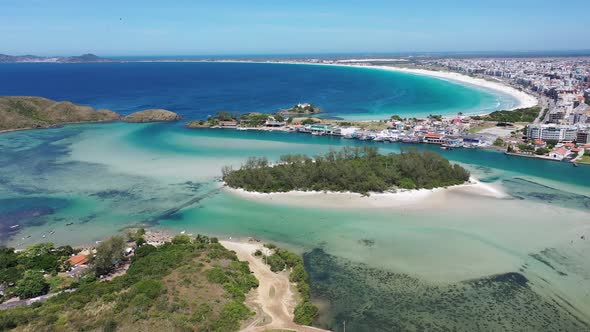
(350, 200)
(522, 98)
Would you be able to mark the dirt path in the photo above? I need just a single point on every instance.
(273, 297)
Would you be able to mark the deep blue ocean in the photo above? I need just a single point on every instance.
(196, 90)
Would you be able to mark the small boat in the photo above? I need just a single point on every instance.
(69, 224)
(14, 226)
(444, 147)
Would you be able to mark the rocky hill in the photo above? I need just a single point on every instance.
(38, 112)
(152, 115)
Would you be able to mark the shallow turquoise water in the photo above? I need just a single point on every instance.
(104, 177)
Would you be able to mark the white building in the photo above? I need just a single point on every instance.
(552, 132)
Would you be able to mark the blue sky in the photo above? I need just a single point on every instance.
(148, 27)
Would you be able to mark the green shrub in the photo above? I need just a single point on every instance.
(305, 312)
(144, 250)
(231, 315)
(32, 284)
(216, 275)
(181, 239)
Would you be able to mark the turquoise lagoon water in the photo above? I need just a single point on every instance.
(196, 90)
(457, 261)
(465, 262)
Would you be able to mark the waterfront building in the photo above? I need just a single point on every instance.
(433, 139)
(228, 123)
(552, 132)
(559, 153)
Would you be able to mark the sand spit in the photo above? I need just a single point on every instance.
(348, 200)
(275, 297)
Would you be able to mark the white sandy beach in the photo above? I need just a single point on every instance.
(524, 99)
(421, 198)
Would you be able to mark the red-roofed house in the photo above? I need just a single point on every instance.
(559, 153)
(79, 259)
(539, 143)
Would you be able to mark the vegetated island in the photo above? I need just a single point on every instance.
(23, 112)
(256, 119)
(353, 169)
(37, 112)
(152, 115)
(300, 109)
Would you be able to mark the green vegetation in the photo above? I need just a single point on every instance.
(32, 284)
(309, 121)
(20, 271)
(137, 236)
(396, 117)
(499, 142)
(254, 119)
(186, 286)
(517, 115)
(37, 112)
(305, 311)
(109, 254)
(356, 169)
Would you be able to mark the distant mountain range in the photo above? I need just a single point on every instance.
(67, 59)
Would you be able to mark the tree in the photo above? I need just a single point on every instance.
(279, 117)
(498, 142)
(396, 117)
(224, 116)
(542, 151)
(32, 284)
(137, 237)
(108, 254)
(308, 121)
